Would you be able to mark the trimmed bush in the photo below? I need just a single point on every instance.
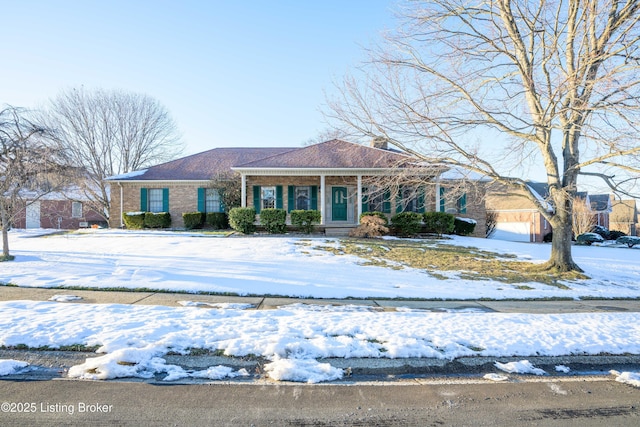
(193, 220)
(548, 238)
(375, 213)
(157, 220)
(274, 220)
(589, 238)
(243, 220)
(463, 226)
(602, 231)
(615, 234)
(370, 226)
(133, 220)
(305, 220)
(439, 222)
(407, 223)
(217, 220)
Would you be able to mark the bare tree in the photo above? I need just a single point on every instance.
(497, 86)
(31, 166)
(229, 186)
(109, 133)
(583, 218)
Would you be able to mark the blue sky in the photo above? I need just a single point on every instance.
(232, 73)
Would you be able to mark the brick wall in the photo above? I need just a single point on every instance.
(183, 197)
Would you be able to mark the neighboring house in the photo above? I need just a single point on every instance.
(624, 217)
(518, 219)
(65, 210)
(599, 205)
(334, 177)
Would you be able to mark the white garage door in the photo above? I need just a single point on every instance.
(513, 231)
(33, 215)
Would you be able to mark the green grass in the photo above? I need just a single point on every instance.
(4, 258)
(437, 259)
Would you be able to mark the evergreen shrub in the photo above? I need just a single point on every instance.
(439, 222)
(274, 220)
(305, 219)
(243, 220)
(157, 220)
(193, 220)
(463, 226)
(133, 220)
(407, 223)
(217, 220)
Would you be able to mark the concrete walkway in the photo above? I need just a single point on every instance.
(8, 293)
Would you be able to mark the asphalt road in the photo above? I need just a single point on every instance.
(575, 401)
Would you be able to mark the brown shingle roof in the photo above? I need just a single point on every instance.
(203, 166)
(334, 154)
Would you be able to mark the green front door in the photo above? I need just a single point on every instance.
(339, 203)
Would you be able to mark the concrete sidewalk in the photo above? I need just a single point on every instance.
(54, 364)
(8, 293)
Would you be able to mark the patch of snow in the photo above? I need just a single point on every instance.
(562, 368)
(11, 367)
(521, 367)
(64, 298)
(631, 378)
(220, 305)
(128, 175)
(257, 265)
(469, 220)
(302, 370)
(496, 377)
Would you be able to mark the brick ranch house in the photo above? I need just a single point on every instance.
(66, 210)
(332, 177)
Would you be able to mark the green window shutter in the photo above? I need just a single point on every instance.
(256, 198)
(365, 200)
(421, 197)
(223, 207)
(201, 200)
(462, 203)
(279, 203)
(399, 200)
(442, 202)
(290, 198)
(314, 197)
(386, 203)
(143, 199)
(165, 200)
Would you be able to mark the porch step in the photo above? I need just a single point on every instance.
(337, 231)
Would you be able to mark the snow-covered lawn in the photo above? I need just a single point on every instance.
(134, 338)
(285, 266)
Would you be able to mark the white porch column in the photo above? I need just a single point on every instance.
(437, 209)
(359, 196)
(243, 191)
(323, 209)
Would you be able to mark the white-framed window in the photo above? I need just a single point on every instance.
(303, 198)
(212, 200)
(76, 210)
(268, 197)
(155, 200)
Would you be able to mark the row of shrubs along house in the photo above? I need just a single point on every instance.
(336, 178)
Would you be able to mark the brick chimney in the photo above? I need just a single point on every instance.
(379, 142)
